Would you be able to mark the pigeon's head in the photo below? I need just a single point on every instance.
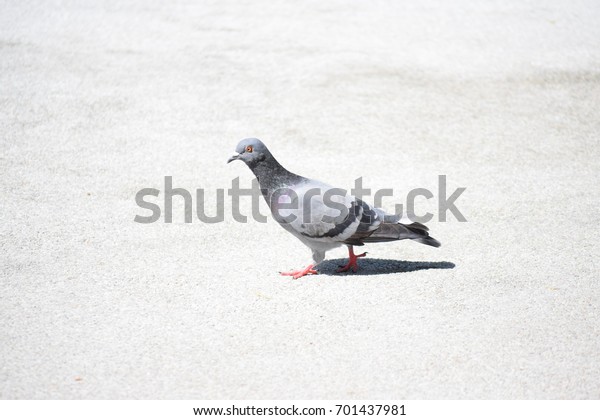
(251, 151)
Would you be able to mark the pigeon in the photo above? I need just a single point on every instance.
(319, 215)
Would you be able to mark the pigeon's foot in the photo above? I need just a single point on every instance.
(353, 263)
(300, 273)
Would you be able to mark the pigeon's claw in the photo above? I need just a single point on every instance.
(352, 263)
(296, 274)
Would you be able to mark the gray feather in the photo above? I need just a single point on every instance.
(397, 231)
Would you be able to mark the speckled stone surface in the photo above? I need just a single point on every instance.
(100, 100)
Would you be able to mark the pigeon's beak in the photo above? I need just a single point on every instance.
(232, 158)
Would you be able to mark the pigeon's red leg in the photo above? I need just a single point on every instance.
(299, 273)
(353, 263)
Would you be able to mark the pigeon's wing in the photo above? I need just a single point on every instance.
(322, 213)
(318, 212)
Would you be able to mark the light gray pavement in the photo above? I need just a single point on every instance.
(100, 100)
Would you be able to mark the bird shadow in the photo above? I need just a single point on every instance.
(374, 266)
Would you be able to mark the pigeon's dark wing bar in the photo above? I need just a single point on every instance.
(360, 221)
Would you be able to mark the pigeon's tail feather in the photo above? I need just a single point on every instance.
(422, 235)
(428, 240)
(397, 231)
(417, 226)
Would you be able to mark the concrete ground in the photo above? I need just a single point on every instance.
(101, 99)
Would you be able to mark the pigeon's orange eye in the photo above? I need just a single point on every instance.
(249, 149)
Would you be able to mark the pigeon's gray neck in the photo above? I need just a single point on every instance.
(271, 175)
